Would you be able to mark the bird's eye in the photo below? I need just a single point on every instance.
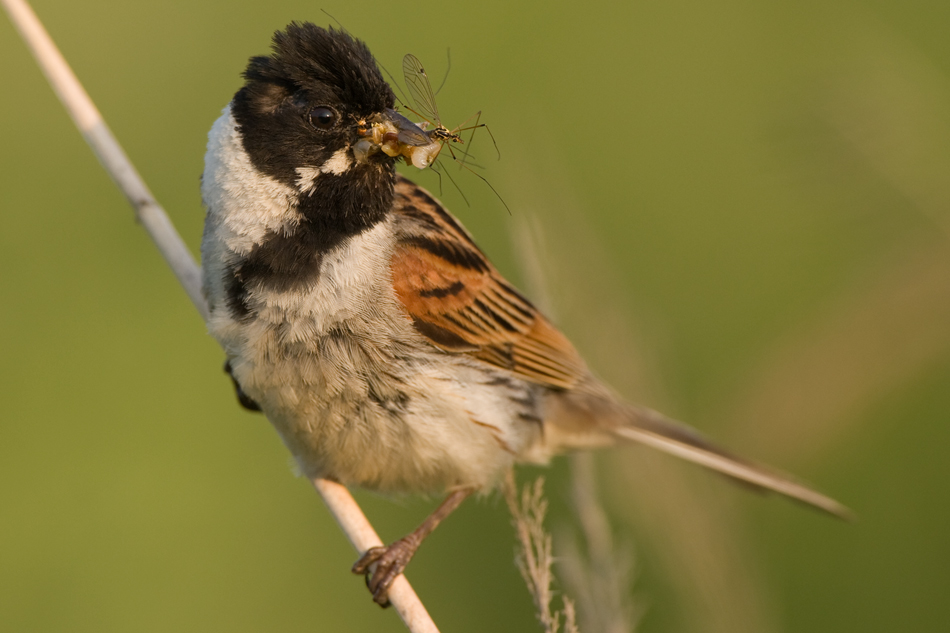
(323, 118)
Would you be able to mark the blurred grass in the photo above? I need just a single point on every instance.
(744, 206)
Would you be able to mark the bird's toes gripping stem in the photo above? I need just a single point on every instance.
(381, 565)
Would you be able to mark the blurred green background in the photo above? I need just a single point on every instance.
(739, 210)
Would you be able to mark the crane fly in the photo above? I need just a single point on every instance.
(412, 142)
(420, 89)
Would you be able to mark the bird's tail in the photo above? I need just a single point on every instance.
(653, 429)
(622, 421)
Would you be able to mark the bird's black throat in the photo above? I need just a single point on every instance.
(338, 208)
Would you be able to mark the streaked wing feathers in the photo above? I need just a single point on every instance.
(460, 302)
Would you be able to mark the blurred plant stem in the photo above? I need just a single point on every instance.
(597, 573)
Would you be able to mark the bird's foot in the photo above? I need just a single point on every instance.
(381, 565)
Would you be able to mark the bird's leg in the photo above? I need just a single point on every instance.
(390, 561)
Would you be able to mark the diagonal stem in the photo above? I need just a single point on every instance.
(363, 537)
(157, 224)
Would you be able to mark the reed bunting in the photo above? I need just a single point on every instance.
(360, 316)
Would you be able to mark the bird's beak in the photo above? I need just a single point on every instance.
(397, 136)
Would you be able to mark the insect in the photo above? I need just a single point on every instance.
(420, 89)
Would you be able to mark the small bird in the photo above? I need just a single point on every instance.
(359, 315)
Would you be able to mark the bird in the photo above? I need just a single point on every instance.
(363, 320)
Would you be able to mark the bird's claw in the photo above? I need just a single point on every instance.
(381, 565)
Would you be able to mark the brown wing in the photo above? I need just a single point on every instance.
(458, 300)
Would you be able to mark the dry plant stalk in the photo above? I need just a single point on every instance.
(159, 227)
(535, 557)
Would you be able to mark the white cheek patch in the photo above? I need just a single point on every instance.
(337, 165)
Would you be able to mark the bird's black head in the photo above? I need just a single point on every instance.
(303, 104)
(301, 112)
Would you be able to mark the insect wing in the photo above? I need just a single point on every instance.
(415, 138)
(409, 132)
(419, 88)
